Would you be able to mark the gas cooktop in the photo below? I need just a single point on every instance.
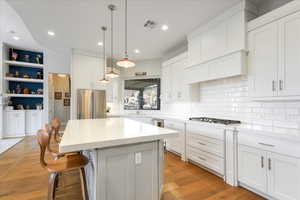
(215, 120)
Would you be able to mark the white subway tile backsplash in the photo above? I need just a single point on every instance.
(229, 98)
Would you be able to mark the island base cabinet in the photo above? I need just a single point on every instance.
(129, 172)
(274, 175)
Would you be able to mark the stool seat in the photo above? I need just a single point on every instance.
(68, 162)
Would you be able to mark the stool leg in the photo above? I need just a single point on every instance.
(83, 184)
(51, 186)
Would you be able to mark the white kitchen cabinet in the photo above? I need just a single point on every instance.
(14, 123)
(33, 121)
(176, 145)
(174, 87)
(263, 60)
(269, 173)
(274, 60)
(283, 177)
(289, 60)
(252, 167)
(194, 51)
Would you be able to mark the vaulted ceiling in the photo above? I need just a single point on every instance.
(77, 22)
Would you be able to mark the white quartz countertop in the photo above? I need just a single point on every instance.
(109, 132)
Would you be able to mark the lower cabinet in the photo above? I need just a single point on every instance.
(14, 123)
(18, 123)
(129, 172)
(176, 145)
(270, 173)
(33, 119)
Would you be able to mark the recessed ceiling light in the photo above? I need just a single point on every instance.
(137, 51)
(16, 38)
(100, 43)
(51, 33)
(164, 27)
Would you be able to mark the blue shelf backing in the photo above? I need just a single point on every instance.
(23, 53)
(26, 101)
(24, 70)
(31, 86)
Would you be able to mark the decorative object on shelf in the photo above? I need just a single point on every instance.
(14, 55)
(18, 89)
(9, 75)
(125, 62)
(38, 59)
(108, 108)
(27, 58)
(58, 95)
(17, 74)
(112, 74)
(26, 91)
(20, 107)
(8, 102)
(67, 95)
(26, 76)
(39, 75)
(33, 92)
(66, 102)
(39, 106)
(27, 107)
(104, 79)
(40, 91)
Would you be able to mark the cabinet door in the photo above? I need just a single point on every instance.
(252, 168)
(19, 123)
(167, 83)
(263, 60)
(194, 50)
(289, 55)
(178, 80)
(283, 177)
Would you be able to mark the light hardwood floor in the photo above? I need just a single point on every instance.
(22, 178)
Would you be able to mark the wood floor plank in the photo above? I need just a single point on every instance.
(22, 178)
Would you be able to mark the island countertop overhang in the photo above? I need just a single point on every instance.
(110, 132)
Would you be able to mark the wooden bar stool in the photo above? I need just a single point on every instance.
(63, 164)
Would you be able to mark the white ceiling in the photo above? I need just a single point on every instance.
(77, 22)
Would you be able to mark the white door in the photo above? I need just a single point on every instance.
(263, 60)
(252, 167)
(283, 177)
(289, 55)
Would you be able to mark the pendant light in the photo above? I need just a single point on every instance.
(112, 74)
(125, 62)
(104, 79)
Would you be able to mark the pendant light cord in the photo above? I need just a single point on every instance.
(126, 38)
(104, 51)
(112, 43)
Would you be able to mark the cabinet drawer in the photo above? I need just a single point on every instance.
(207, 144)
(208, 160)
(174, 125)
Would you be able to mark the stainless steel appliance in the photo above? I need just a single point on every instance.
(91, 104)
(215, 120)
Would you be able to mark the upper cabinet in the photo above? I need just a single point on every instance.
(218, 48)
(274, 60)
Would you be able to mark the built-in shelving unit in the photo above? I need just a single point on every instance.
(23, 79)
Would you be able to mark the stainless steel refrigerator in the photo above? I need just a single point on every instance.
(91, 104)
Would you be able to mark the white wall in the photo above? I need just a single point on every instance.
(86, 71)
(152, 67)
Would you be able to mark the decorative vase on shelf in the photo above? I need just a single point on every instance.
(26, 91)
(27, 58)
(18, 89)
(14, 56)
(38, 59)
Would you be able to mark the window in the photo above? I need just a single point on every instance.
(142, 94)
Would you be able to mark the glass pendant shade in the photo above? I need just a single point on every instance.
(126, 63)
(112, 74)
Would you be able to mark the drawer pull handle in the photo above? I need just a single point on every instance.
(269, 163)
(268, 145)
(201, 143)
(201, 158)
(262, 162)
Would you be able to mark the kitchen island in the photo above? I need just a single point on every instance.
(126, 157)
